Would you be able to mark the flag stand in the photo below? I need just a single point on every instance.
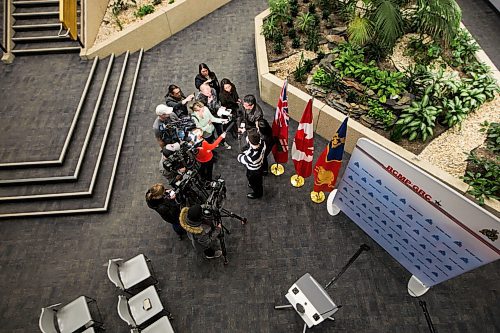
(317, 197)
(297, 181)
(277, 169)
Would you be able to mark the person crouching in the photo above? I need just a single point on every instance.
(253, 158)
(202, 233)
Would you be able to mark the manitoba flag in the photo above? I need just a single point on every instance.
(280, 128)
(303, 144)
(328, 164)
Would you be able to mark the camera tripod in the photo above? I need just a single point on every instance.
(218, 215)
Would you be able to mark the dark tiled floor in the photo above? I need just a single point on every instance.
(50, 260)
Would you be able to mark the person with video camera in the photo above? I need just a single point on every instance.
(163, 134)
(202, 233)
(162, 200)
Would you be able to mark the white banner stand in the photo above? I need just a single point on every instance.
(416, 288)
(332, 209)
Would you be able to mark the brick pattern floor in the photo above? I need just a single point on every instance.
(51, 260)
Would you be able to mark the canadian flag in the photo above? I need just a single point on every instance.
(303, 144)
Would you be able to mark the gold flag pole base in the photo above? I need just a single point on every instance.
(297, 181)
(317, 197)
(277, 169)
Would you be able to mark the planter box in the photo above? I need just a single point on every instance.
(153, 28)
(327, 119)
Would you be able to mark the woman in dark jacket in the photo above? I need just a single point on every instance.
(229, 98)
(163, 202)
(266, 134)
(205, 74)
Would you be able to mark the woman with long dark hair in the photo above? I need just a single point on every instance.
(229, 99)
(206, 75)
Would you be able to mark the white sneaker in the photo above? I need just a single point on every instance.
(227, 145)
(217, 254)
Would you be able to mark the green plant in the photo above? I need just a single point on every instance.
(323, 78)
(278, 38)
(325, 14)
(289, 22)
(385, 84)
(308, 64)
(171, 1)
(476, 67)
(269, 27)
(156, 2)
(423, 53)
(484, 182)
(305, 22)
(463, 48)
(378, 112)
(320, 55)
(492, 135)
(484, 82)
(471, 97)
(293, 8)
(439, 19)
(454, 111)
(279, 10)
(312, 8)
(296, 42)
(292, 33)
(144, 10)
(300, 71)
(419, 120)
(312, 41)
(118, 5)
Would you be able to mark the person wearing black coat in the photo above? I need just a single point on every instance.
(204, 75)
(163, 202)
(229, 99)
(176, 100)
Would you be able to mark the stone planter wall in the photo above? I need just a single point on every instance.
(149, 31)
(327, 119)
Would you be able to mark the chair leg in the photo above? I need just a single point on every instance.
(153, 274)
(305, 328)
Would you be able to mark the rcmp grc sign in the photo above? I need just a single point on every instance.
(429, 228)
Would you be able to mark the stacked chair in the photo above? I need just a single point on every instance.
(72, 317)
(142, 310)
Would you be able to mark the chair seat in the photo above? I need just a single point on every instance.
(74, 315)
(134, 271)
(162, 325)
(136, 305)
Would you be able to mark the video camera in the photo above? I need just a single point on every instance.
(215, 200)
(185, 157)
(176, 131)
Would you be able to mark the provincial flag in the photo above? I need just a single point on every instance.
(303, 144)
(328, 164)
(280, 128)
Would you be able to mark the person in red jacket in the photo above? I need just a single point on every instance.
(205, 155)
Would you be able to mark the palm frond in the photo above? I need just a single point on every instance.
(387, 21)
(438, 18)
(360, 30)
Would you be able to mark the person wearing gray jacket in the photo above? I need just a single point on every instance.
(202, 235)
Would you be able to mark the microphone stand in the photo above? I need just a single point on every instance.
(423, 305)
(362, 248)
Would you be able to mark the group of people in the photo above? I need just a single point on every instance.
(203, 119)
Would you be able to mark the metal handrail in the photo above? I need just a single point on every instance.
(7, 19)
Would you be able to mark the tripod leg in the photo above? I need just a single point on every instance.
(331, 318)
(281, 307)
(305, 328)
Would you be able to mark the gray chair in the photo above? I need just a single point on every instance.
(72, 317)
(162, 325)
(126, 275)
(124, 312)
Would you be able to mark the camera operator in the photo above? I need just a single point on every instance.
(202, 233)
(163, 201)
(171, 172)
(164, 135)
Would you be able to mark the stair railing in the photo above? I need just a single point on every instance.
(7, 31)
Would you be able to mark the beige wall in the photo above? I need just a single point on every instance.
(154, 28)
(327, 120)
(94, 11)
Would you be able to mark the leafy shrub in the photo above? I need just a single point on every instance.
(484, 82)
(492, 135)
(476, 67)
(278, 37)
(308, 64)
(144, 10)
(419, 120)
(378, 112)
(323, 78)
(296, 42)
(423, 53)
(278, 47)
(312, 41)
(325, 14)
(320, 55)
(484, 183)
(312, 8)
(293, 8)
(171, 1)
(454, 111)
(305, 22)
(385, 84)
(279, 10)
(118, 5)
(156, 2)
(269, 27)
(292, 33)
(463, 48)
(471, 97)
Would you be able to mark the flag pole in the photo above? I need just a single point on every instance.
(277, 169)
(317, 197)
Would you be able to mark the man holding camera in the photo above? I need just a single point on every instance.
(163, 201)
(164, 135)
(202, 233)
